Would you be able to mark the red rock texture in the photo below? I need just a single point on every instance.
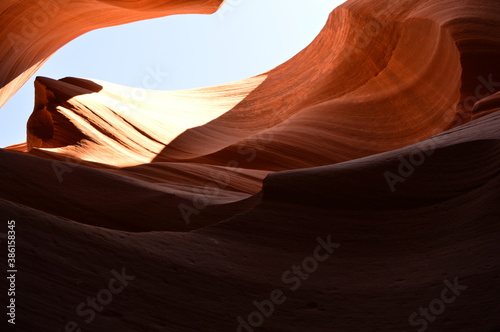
(382, 135)
(33, 30)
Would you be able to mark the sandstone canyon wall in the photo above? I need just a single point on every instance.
(381, 137)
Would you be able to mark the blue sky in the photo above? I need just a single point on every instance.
(243, 39)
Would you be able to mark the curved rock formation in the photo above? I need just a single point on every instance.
(353, 188)
(31, 31)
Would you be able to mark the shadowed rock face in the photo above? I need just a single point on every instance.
(379, 144)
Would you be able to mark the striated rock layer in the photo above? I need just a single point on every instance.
(33, 30)
(381, 138)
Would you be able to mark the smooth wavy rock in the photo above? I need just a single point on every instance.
(381, 138)
(33, 30)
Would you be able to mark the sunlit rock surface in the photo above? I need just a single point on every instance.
(382, 136)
